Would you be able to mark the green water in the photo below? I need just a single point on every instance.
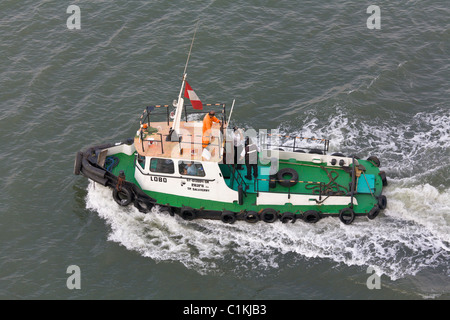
(306, 68)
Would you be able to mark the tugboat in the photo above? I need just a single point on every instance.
(176, 165)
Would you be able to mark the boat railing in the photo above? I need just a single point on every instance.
(317, 188)
(191, 143)
(149, 112)
(238, 178)
(198, 142)
(194, 111)
(155, 110)
(293, 142)
(142, 139)
(145, 116)
(222, 115)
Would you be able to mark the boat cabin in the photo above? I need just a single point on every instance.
(183, 167)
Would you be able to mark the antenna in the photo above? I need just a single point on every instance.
(174, 133)
(190, 49)
(229, 117)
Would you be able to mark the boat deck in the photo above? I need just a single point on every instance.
(365, 201)
(190, 147)
(309, 177)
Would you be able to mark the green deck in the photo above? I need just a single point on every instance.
(307, 173)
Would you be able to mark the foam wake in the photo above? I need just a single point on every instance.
(401, 243)
(411, 235)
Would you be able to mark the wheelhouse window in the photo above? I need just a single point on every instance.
(191, 168)
(162, 165)
(141, 160)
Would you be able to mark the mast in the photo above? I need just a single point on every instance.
(175, 131)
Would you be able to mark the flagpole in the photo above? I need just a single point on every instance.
(229, 117)
(177, 118)
(175, 132)
(190, 49)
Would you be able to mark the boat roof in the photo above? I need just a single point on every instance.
(153, 139)
(154, 142)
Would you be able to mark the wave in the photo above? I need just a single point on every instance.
(407, 145)
(409, 237)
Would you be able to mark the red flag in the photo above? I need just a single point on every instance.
(191, 95)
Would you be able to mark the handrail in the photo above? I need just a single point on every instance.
(241, 180)
(223, 118)
(326, 142)
(142, 140)
(320, 184)
(149, 110)
(180, 141)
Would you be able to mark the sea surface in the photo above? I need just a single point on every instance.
(310, 68)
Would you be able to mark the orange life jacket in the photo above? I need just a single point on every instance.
(207, 123)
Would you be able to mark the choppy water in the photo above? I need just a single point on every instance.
(307, 68)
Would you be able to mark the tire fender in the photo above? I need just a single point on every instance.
(347, 215)
(251, 216)
(228, 217)
(268, 215)
(188, 213)
(287, 182)
(287, 216)
(311, 216)
(123, 197)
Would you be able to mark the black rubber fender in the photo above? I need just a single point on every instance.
(287, 182)
(382, 174)
(123, 197)
(287, 217)
(167, 209)
(187, 213)
(373, 213)
(77, 164)
(251, 216)
(142, 205)
(228, 217)
(311, 216)
(382, 202)
(374, 160)
(269, 215)
(346, 215)
(102, 181)
(91, 170)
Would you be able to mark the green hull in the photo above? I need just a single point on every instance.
(336, 178)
